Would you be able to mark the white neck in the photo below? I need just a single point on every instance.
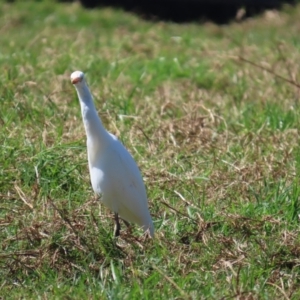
(92, 123)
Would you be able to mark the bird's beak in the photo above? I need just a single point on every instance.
(76, 80)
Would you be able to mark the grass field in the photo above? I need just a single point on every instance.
(216, 138)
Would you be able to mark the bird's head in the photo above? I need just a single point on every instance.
(77, 77)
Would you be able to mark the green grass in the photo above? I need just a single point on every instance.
(216, 138)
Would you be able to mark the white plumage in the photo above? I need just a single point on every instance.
(114, 173)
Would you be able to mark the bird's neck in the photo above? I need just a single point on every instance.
(92, 123)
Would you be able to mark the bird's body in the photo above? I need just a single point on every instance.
(114, 173)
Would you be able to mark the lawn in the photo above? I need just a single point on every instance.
(211, 115)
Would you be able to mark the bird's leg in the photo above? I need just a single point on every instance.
(117, 225)
(126, 223)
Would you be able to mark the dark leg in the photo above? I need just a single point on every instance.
(126, 223)
(117, 225)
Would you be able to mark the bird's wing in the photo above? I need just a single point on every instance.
(127, 189)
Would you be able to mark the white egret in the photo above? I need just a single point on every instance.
(114, 173)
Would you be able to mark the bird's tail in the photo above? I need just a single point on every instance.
(149, 228)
